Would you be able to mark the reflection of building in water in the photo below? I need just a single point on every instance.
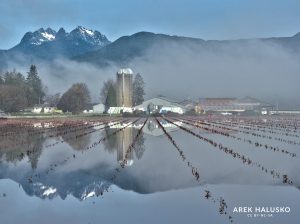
(124, 139)
(120, 141)
(124, 88)
(153, 129)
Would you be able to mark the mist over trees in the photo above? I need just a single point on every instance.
(75, 99)
(18, 92)
(52, 99)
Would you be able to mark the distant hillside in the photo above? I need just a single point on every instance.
(86, 45)
(127, 48)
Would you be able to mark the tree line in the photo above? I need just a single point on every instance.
(18, 92)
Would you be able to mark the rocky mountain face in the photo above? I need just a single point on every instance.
(47, 44)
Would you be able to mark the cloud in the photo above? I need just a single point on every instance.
(237, 69)
(253, 68)
(60, 74)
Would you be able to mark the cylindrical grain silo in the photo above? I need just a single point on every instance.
(124, 87)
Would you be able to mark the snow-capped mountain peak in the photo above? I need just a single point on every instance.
(93, 189)
(85, 31)
(39, 36)
(49, 191)
(48, 36)
(90, 36)
(80, 35)
(44, 191)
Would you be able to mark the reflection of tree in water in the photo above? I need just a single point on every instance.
(151, 126)
(36, 148)
(16, 147)
(79, 143)
(139, 147)
(110, 144)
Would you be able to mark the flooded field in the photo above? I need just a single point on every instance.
(150, 170)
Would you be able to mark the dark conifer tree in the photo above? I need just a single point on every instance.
(35, 93)
(138, 90)
(111, 99)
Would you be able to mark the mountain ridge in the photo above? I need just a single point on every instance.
(126, 48)
(85, 45)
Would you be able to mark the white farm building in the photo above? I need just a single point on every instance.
(99, 108)
(119, 110)
(160, 105)
(43, 108)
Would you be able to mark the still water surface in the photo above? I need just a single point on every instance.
(75, 176)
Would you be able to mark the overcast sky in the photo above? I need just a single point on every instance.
(207, 19)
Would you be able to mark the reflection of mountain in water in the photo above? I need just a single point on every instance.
(81, 184)
(90, 174)
(85, 182)
(92, 182)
